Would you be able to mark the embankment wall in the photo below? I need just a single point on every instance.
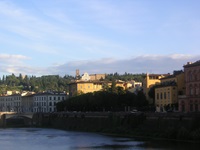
(171, 126)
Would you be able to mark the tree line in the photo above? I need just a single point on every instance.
(125, 77)
(33, 83)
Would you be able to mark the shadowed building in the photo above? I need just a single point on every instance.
(191, 101)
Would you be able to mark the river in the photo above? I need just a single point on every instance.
(53, 139)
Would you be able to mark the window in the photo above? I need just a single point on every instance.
(165, 96)
(157, 96)
(191, 107)
(183, 108)
(161, 96)
(190, 76)
(168, 95)
(197, 91)
(191, 91)
(196, 107)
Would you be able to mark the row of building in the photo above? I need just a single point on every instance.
(29, 102)
(181, 88)
(46, 101)
(95, 82)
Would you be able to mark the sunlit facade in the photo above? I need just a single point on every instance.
(166, 94)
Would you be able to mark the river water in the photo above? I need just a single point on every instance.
(53, 139)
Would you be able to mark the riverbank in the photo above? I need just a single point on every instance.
(173, 126)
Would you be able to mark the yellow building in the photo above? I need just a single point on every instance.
(166, 95)
(169, 89)
(149, 81)
(79, 87)
(179, 78)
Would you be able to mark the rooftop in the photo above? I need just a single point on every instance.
(190, 64)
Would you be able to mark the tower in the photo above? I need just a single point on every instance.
(77, 73)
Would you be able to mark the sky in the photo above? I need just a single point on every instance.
(56, 37)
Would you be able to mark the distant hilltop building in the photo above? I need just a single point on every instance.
(79, 87)
(86, 83)
(97, 76)
(89, 77)
(133, 86)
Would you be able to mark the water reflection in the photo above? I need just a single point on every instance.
(51, 139)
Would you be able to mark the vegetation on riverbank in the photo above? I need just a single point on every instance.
(103, 101)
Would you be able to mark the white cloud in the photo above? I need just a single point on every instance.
(12, 59)
(139, 64)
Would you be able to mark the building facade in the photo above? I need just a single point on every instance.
(190, 102)
(149, 81)
(95, 77)
(46, 102)
(40, 102)
(167, 92)
(27, 102)
(78, 87)
(10, 103)
(166, 95)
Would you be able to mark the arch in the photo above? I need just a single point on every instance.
(30, 115)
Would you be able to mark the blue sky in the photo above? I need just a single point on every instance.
(45, 37)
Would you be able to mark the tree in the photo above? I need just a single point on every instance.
(151, 93)
(113, 87)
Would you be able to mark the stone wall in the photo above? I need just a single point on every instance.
(155, 125)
